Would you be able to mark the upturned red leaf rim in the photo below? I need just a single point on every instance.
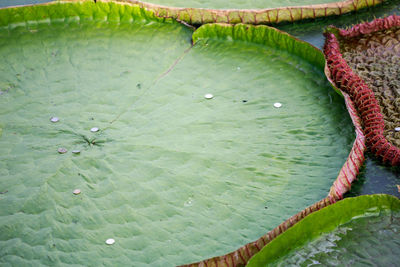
(343, 77)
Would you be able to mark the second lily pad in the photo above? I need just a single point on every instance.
(361, 231)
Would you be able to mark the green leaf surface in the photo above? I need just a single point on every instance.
(171, 176)
(262, 35)
(77, 11)
(362, 231)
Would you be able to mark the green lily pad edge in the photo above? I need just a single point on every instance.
(119, 12)
(323, 221)
(85, 10)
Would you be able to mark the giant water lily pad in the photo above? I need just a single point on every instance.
(355, 231)
(253, 12)
(171, 176)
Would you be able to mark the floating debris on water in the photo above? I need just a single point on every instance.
(397, 129)
(62, 150)
(208, 96)
(189, 202)
(244, 101)
(76, 191)
(54, 119)
(277, 105)
(94, 129)
(110, 241)
(76, 151)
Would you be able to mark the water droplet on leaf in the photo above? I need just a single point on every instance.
(208, 96)
(110, 241)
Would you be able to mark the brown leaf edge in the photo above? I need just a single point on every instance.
(199, 16)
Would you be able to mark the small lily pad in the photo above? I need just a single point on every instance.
(354, 229)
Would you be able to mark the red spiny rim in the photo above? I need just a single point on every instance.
(370, 27)
(342, 76)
